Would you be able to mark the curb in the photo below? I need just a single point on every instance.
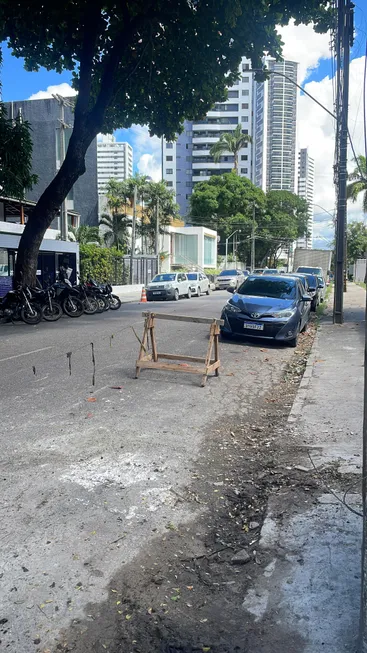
(302, 394)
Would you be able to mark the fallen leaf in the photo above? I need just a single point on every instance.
(128, 617)
(114, 591)
(150, 610)
(119, 611)
(175, 598)
(49, 601)
(118, 602)
(91, 399)
(206, 649)
(203, 621)
(43, 605)
(230, 374)
(190, 587)
(104, 646)
(171, 526)
(245, 528)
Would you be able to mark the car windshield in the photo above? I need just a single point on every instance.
(270, 271)
(163, 277)
(261, 287)
(309, 270)
(228, 273)
(312, 281)
(192, 276)
(258, 271)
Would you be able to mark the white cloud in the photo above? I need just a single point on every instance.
(304, 45)
(147, 150)
(64, 89)
(149, 164)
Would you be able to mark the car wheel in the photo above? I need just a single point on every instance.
(208, 291)
(304, 328)
(225, 336)
(189, 294)
(294, 341)
(198, 291)
(176, 296)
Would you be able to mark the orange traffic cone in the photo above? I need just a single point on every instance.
(143, 298)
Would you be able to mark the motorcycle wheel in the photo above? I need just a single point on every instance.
(101, 304)
(72, 306)
(106, 300)
(51, 313)
(90, 305)
(115, 302)
(31, 314)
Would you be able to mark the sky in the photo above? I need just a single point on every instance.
(315, 128)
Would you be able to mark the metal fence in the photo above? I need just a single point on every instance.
(144, 269)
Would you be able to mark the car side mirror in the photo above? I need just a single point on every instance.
(306, 298)
(321, 285)
(231, 290)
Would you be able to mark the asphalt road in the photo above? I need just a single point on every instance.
(89, 473)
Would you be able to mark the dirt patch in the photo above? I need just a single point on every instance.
(184, 594)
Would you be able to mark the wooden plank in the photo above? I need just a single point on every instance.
(177, 357)
(174, 367)
(213, 366)
(184, 318)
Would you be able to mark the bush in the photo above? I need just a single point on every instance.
(104, 264)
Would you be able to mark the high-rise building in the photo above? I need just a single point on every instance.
(44, 117)
(187, 161)
(114, 161)
(274, 128)
(306, 181)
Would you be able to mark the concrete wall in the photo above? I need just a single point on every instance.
(359, 272)
(43, 116)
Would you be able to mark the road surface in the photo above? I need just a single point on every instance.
(90, 474)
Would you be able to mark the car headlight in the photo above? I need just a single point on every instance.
(232, 282)
(285, 313)
(168, 286)
(232, 308)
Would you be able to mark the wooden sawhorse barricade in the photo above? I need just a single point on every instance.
(153, 360)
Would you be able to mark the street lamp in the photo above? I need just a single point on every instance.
(227, 239)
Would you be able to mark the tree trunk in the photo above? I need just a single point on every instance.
(49, 204)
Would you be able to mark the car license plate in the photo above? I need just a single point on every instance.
(252, 325)
(156, 292)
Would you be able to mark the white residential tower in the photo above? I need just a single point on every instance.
(306, 181)
(114, 161)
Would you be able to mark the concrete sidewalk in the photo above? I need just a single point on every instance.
(310, 590)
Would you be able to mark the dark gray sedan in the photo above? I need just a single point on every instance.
(272, 307)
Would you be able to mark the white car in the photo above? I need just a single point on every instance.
(171, 285)
(229, 279)
(199, 283)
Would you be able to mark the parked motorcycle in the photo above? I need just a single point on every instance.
(17, 305)
(90, 301)
(45, 298)
(68, 298)
(113, 301)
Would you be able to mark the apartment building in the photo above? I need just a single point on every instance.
(306, 184)
(114, 161)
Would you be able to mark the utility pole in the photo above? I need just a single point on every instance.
(133, 230)
(63, 126)
(157, 234)
(344, 38)
(253, 239)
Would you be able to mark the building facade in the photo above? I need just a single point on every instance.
(187, 161)
(306, 183)
(114, 161)
(275, 128)
(44, 118)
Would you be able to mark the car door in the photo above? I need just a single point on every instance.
(204, 282)
(185, 284)
(304, 307)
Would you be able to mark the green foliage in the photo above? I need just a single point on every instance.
(15, 155)
(117, 234)
(356, 241)
(230, 142)
(101, 263)
(359, 182)
(86, 234)
(229, 203)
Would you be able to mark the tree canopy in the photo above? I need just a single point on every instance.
(359, 182)
(153, 63)
(229, 203)
(356, 241)
(230, 142)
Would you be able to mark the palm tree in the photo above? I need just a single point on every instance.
(117, 233)
(86, 235)
(230, 142)
(359, 182)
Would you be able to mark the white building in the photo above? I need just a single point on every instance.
(274, 127)
(114, 161)
(190, 247)
(187, 161)
(306, 182)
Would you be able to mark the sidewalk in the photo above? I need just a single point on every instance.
(128, 293)
(310, 590)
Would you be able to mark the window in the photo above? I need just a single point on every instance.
(244, 171)
(232, 94)
(245, 91)
(169, 146)
(245, 80)
(244, 119)
(169, 158)
(169, 171)
(245, 105)
(245, 66)
(244, 157)
(209, 250)
(169, 184)
(189, 158)
(189, 184)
